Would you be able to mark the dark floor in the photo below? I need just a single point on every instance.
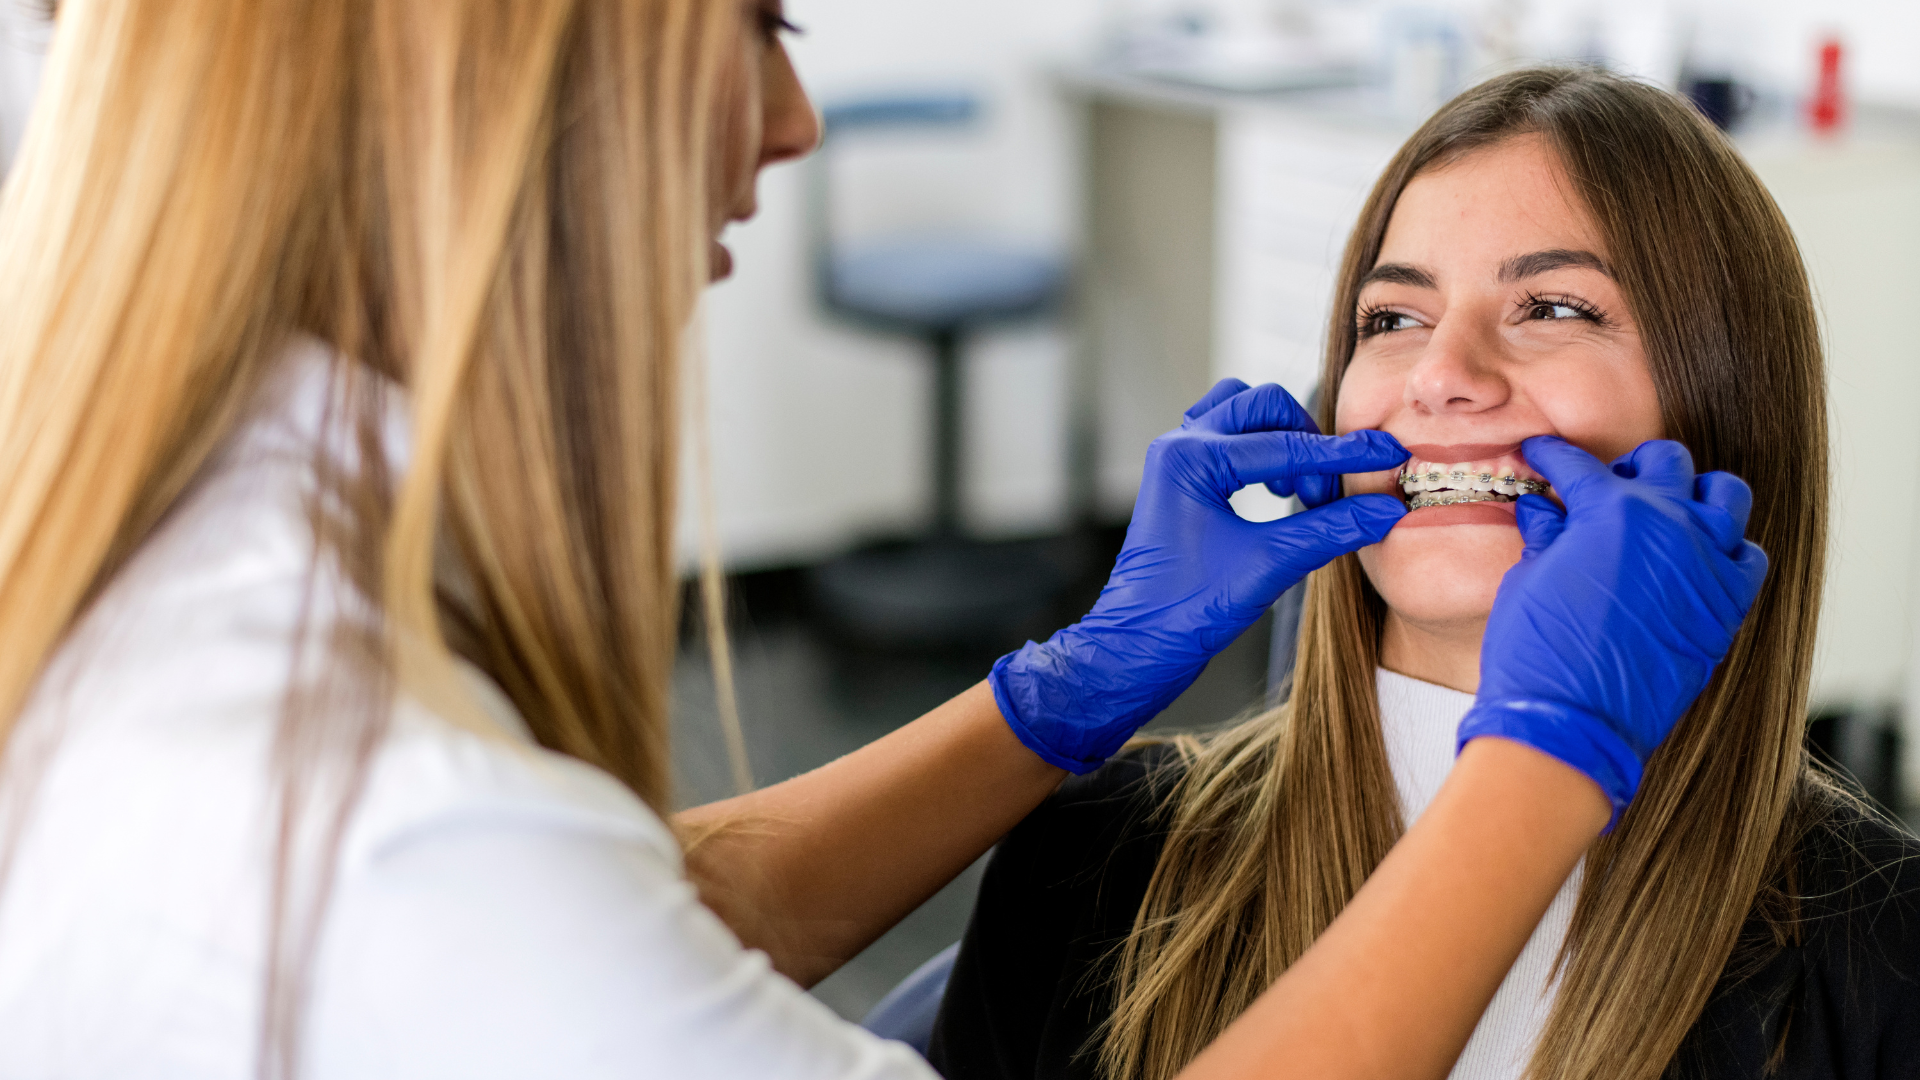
(805, 700)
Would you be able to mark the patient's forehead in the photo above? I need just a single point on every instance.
(1486, 206)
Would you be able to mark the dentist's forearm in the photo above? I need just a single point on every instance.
(814, 869)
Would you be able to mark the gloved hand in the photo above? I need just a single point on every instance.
(1619, 609)
(1193, 574)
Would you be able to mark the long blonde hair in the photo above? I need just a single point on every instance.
(1277, 822)
(501, 204)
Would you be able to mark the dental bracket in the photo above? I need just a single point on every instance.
(1460, 486)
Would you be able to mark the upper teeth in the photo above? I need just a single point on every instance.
(1423, 477)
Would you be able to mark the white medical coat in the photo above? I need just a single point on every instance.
(500, 910)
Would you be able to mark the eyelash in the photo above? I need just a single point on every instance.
(1364, 321)
(774, 23)
(1580, 307)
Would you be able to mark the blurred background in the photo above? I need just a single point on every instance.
(1039, 230)
(1192, 168)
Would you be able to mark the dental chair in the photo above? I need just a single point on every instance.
(908, 1011)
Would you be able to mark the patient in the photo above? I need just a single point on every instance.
(1557, 251)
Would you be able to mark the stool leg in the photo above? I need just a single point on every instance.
(946, 432)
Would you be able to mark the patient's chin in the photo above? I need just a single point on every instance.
(1445, 577)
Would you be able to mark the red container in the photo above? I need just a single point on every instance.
(1828, 109)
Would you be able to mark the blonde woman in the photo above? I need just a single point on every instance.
(337, 397)
(1556, 251)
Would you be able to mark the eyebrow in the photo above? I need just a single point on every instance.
(1518, 268)
(1522, 267)
(1399, 274)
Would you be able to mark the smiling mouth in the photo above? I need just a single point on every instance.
(1428, 483)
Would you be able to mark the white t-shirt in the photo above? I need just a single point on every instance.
(499, 910)
(1419, 721)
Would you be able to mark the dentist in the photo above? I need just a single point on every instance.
(338, 390)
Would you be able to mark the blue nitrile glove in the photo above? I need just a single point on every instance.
(1193, 574)
(1619, 609)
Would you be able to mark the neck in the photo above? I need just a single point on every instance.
(1445, 655)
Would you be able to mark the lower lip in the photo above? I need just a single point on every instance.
(1480, 513)
(719, 262)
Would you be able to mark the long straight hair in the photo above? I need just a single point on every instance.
(499, 204)
(1279, 821)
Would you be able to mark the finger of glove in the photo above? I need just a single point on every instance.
(1221, 391)
(1731, 496)
(1750, 565)
(1662, 464)
(1739, 577)
(1722, 530)
(1267, 407)
(1316, 489)
(1311, 539)
(1280, 458)
(1313, 489)
(1572, 471)
(1540, 521)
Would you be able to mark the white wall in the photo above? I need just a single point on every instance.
(22, 42)
(1770, 42)
(1852, 210)
(818, 430)
(1881, 37)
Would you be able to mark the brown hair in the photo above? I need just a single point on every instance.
(1277, 822)
(499, 203)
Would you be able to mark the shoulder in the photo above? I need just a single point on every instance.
(1097, 827)
(1059, 893)
(486, 880)
(1828, 983)
(1121, 798)
(1858, 891)
(1085, 855)
(436, 776)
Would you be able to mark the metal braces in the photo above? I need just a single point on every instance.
(1508, 485)
(1454, 498)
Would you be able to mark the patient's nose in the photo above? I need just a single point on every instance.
(1455, 375)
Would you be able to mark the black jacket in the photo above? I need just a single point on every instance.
(1029, 988)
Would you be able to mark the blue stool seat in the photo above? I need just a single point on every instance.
(942, 282)
(908, 1011)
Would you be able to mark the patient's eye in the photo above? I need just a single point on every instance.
(1374, 321)
(1555, 308)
